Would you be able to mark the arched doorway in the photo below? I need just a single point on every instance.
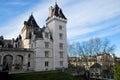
(7, 62)
(19, 62)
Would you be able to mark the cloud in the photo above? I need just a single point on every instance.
(16, 3)
(90, 16)
(86, 30)
(84, 17)
(92, 11)
(13, 27)
(109, 32)
(40, 12)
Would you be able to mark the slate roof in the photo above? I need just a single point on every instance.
(56, 11)
(38, 33)
(96, 65)
(1, 43)
(1, 40)
(31, 21)
(8, 43)
(1, 37)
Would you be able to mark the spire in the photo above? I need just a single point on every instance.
(31, 21)
(56, 11)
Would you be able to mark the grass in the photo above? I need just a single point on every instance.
(48, 75)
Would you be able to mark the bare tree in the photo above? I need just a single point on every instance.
(93, 48)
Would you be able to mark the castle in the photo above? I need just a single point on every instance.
(37, 49)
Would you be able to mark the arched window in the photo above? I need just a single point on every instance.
(19, 62)
(7, 62)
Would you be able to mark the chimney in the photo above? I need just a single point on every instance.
(50, 11)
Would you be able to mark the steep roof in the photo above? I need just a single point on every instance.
(96, 65)
(38, 33)
(31, 21)
(56, 11)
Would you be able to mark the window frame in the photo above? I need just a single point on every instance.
(61, 45)
(61, 63)
(46, 44)
(46, 54)
(60, 27)
(61, 54)
(46, 63)
(60, 36)
(46, 35)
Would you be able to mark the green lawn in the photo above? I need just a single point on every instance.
(50, 75)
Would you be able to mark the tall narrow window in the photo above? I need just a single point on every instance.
(61, 54)
(0, 59)
(46, 63)
(61, 45)
(60, 36)
(60, 27)
(28, 64)
(28, 55)
(61, 63)
(46, 44)
(46, 54)
(46, 35)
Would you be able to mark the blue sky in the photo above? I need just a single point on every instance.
(86, 18)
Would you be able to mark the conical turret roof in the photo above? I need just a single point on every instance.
(31, 21)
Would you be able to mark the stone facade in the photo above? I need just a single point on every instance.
(36, 48)
(13, 59)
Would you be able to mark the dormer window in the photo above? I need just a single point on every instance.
(46, 35)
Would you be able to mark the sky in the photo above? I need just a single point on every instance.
(86, 18)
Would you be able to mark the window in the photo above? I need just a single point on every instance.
(46, 54)
(46, 63)
(60, 27)
(61, 54)
(0, 59)
(46, 35)
(61, 63)
(46, 44)
(60, 36)
(28, 64)
(28, 55)
(61, 45)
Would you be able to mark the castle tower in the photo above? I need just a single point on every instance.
(56, 23)
(29, 27)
